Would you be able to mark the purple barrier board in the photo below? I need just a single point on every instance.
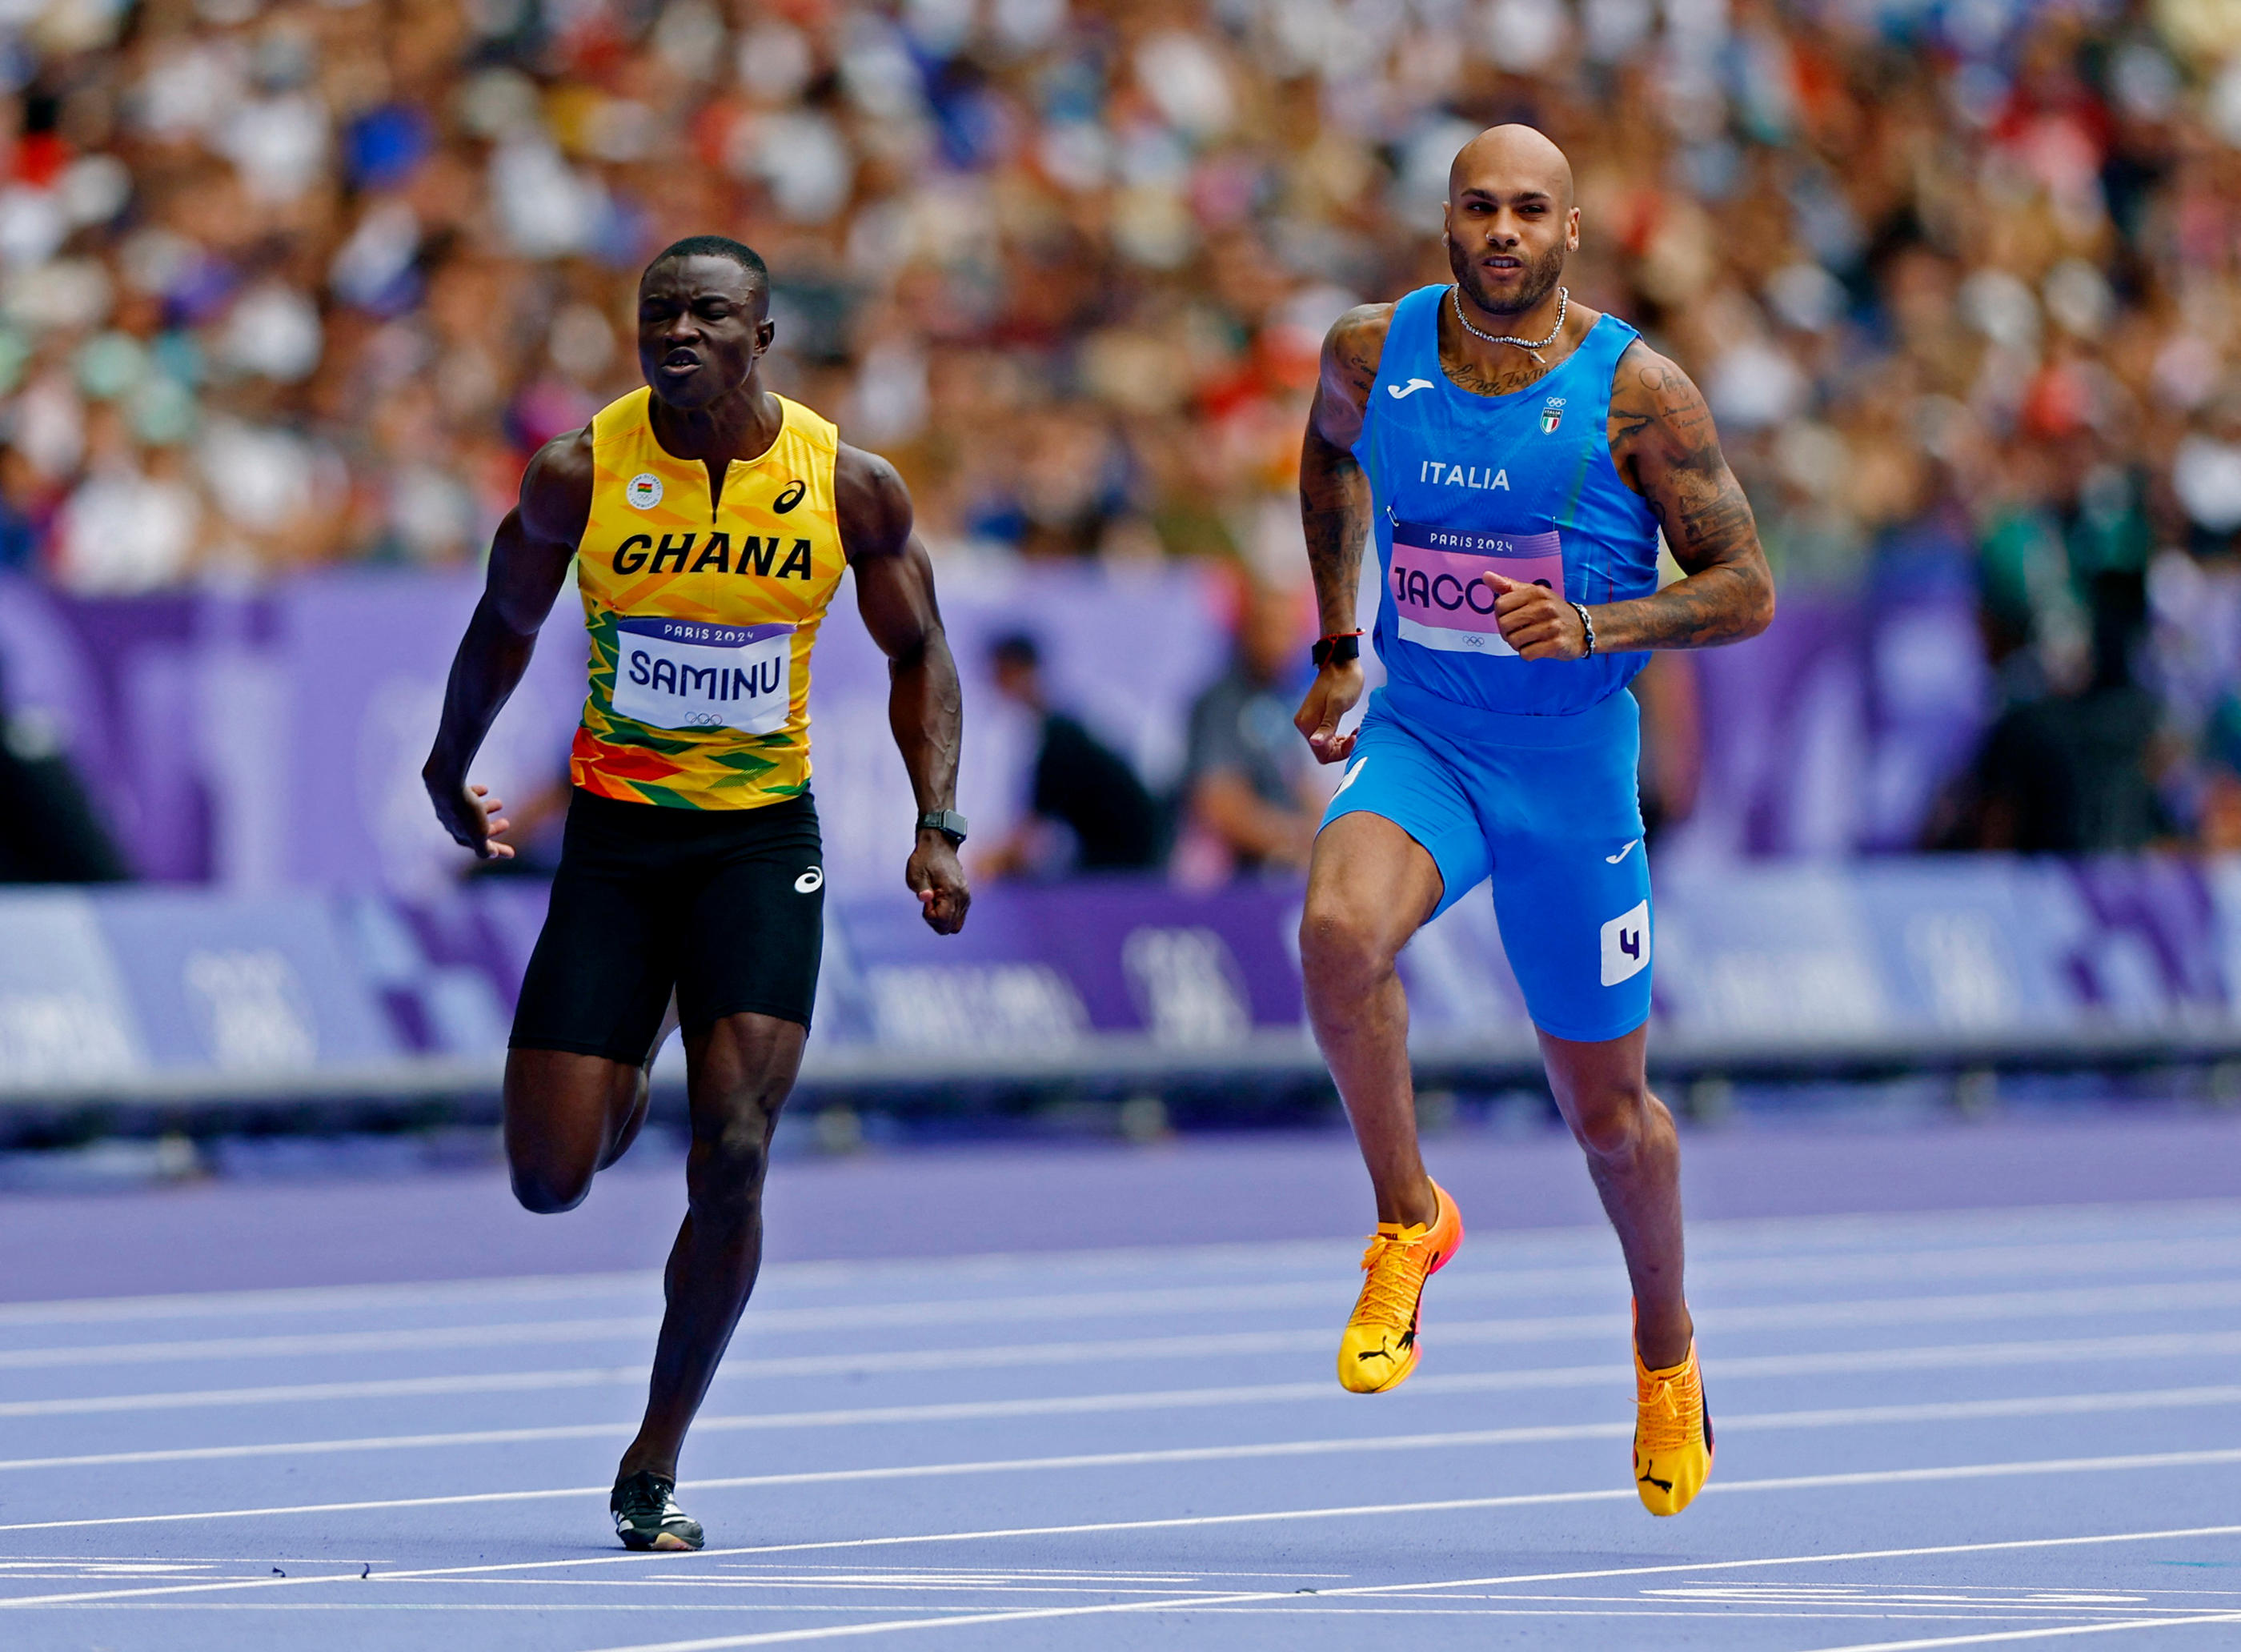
(259, 741)
(249, 985)
(1043, 966)
(98, 986)
(276, 741)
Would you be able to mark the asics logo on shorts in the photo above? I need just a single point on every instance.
(810, 881)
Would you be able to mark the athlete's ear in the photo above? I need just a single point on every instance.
(767, 330)
(1572, 231)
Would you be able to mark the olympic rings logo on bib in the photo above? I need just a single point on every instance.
(644, 491)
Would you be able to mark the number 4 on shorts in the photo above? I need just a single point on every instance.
(1626, 945)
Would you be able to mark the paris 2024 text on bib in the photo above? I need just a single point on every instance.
(685, 673)
(1439, 597)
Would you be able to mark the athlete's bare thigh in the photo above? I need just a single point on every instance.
(567, 1115)
(1369, 883)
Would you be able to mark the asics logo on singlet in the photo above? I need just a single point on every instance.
(1402, 392)
(792, 497)
(810, 881)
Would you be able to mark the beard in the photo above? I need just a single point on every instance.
(1541, 278)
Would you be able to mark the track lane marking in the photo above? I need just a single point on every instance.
(1932, 1411)
(1717, 1241)
(2032, 1635)
(2190, 1255)
(489, 1569)
(720, 1643)
(1942, 1356)
(1537, 1434)
(2005, 1305)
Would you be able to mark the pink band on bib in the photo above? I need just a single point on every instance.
(1440, 595)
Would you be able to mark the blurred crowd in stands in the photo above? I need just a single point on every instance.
(290, 282)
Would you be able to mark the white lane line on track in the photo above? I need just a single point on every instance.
(2003, 1305)
(716, 1644)
(374, 1388)
(490, 1570)
(2193, 1256)
(1175, 1399)
(2034, 1634)
(2150, 1346)
(1942, 1236)
(1971, 1410)
(833, 1632)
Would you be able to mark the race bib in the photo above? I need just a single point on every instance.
(1439, 598)
(682, 673)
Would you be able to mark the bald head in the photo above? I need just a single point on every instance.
(1509, 160)
(1510, 221)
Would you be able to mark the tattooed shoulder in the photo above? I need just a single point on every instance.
(1658, 418)
(1353, 349)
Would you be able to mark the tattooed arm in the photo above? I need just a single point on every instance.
(1334, 511)
(1663, 442)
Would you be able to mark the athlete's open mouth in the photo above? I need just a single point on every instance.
(1501, 261)
(679, 361)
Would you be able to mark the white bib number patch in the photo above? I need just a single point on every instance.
(682, 673)
(1625, 945)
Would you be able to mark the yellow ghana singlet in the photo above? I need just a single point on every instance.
(702, 618)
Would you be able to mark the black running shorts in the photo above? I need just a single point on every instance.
(725, 905)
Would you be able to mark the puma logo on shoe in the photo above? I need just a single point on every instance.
(1652, 1479)
(1408, 1341)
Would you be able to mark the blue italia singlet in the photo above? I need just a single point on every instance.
(1519, 770)
(1522, 485)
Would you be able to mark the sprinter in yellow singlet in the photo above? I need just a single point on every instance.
(710, 521)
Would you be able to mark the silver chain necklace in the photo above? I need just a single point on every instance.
(1532, 347)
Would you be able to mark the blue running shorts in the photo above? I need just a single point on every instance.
(1548, 807)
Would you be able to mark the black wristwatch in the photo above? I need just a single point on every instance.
(947, 822)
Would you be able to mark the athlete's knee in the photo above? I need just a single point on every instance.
(1343, 943)
(724, 1174)
(548, 1189)
(1612, 1120)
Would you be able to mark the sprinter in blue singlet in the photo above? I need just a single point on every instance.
(1515, 456)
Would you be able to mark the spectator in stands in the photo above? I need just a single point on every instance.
(291, 283)
(1077, 783)
(50, 831)
(2071, 773)
(1248, 782)
(2218, 803)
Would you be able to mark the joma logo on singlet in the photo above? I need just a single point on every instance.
(756, 554)
(1444, 475)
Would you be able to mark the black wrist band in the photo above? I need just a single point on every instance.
(1336, 651)
(947, 822)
